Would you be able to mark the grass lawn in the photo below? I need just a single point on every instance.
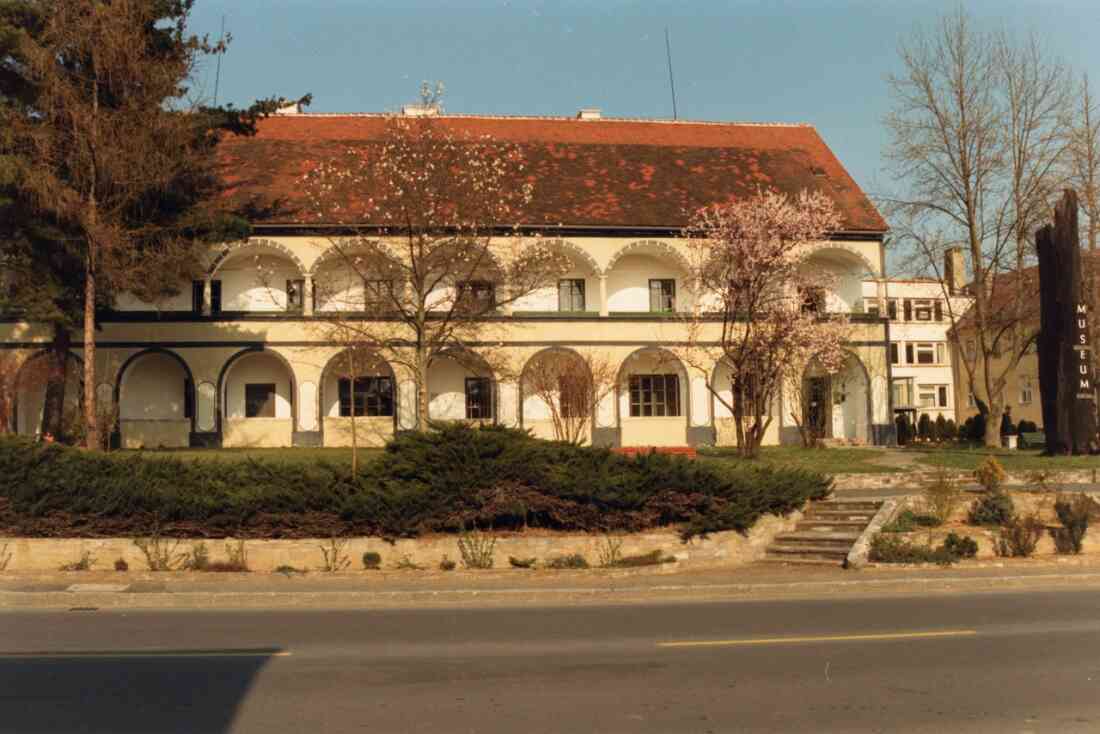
(827, 460)
(968, 459)
(298, 455)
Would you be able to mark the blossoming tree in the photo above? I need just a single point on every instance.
(760, 310)
(431, 250)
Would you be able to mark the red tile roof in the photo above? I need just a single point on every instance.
(609, 173)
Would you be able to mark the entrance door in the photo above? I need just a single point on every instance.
(817, 405)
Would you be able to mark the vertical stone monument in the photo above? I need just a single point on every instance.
(1066, 383)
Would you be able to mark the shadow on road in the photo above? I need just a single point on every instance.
(122, 692)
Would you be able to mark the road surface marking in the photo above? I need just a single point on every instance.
(825, 638)
(56, 654)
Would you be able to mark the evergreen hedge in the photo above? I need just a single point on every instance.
(443, 480)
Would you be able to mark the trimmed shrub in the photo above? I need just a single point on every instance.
(992, 508)
(571, 561)
(521, 562)
(894, 549)
(990, 474)
(907, 521)
(372, 561)
(1026, 426)
(1018, 537)
(960, 546)
(951, 431)
(905, 429)
(440, 481)
(1074, 516)
(941, 497)
(924, 427)
(939, 428)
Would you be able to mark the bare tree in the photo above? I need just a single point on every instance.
(571, 386)
(1084, 176)
(760, 310)
(977, 140)
(441, 255)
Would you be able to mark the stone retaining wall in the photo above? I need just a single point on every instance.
(918, 478)
(724, 549)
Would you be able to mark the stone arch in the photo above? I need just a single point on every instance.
(220, 398)
(260, 244)
(20, 409)
(135, 357)
(858, 422)
(576, 252)
(653, 248)
(531, 361)
(847, 252)
(663, 357)
(332, 364)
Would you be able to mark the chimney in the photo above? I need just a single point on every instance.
(589, 113)
(954, 270)
(419, 110)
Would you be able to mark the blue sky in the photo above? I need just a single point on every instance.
(822, 62)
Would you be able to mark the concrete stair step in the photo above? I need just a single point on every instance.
(796, 560)
(830, 525)
(816, 536)
(849, 504)
(808, 550)
(843, 515)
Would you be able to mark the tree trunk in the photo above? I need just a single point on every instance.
(993, 428)
(91, 419)
(421, 390)
(57, 364)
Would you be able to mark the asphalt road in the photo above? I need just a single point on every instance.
(995, 662)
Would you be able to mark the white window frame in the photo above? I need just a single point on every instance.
(922, 306)
(1027, 392)
(927, 348)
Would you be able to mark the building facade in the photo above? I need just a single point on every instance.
(236, 359)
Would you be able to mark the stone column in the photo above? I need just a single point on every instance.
(307, 296)
(207, 296)
(603, 295)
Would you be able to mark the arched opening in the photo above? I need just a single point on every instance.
(256, 394)
(30, 389)
(653, 402)
(155, 394)
(838, 406)
(356, 277)
(363, 388)
(559, 395)
(462, 387)
(845, 272)
(648, 277)
(257, 276)
(576, 289)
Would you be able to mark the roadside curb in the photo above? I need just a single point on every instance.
(94, 600)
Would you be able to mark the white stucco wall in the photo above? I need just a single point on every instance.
(179, 302)
(152, 389)
(253, 369)
(653, 430)
(628, 283)
(546, 299)
(447, 389)
(255, 283)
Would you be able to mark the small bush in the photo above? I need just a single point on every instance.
(290, 570)
(84, 563)
(924, 427)
(236, 559)
(990, 474)
(573, 560)
(960, 546)
(333, 556)
(1026, 426)
(446, 564)
(121, 565)
(609, 550)
(907, 521)
(407, 564)
(160, 554)
(904, 429)
(372, 561)
(521, 562)
(951, 431)
(476, 549)
(941, 497)
(992, 508)
(653, 558)
(1074, 514)
(198, 559)
(1018, 537)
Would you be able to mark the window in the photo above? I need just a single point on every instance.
(942, 395)
(937, 310)
(476, 296)
(215, 296)
(188, 398)
(198, 295)
(870, 306)
(373, 396)
(295, 294)
(892, 309)
(926, 353)
(895, 357)
(571, 294)
(654, 395)
(941, 353)
(662, 296)
(909, 354)
(377, 295)
(927, 396)
(1026, 392)
(259, 400)
(813, 300)
(902, 392)
(479, 398)
(922, 310)
(907, 308)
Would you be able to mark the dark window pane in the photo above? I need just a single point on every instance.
(894, 353)
(215, 296)
(943, 396)
(479, 398)
(571, 295)
(188, 398)
(198, 290)
(259, 400)
(662, 296)
(937, 307)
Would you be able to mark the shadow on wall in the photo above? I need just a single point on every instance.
(123, 692)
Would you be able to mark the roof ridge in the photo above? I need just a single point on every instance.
(477, 116)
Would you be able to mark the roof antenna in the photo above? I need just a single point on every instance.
(218, 73)
(671, 82)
